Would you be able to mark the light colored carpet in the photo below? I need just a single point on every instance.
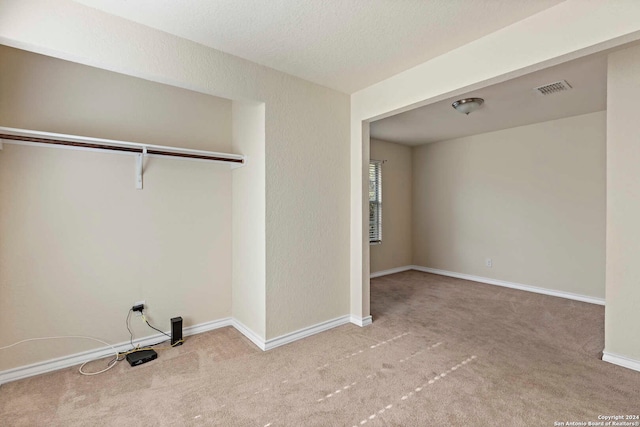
(441, 352)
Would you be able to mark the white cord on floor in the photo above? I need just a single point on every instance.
(111, 365)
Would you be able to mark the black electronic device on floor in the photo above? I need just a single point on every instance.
(139, 357)
(176, 331)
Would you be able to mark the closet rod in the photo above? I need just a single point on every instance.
(118, 148)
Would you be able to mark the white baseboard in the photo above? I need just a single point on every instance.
(250, 334)
(391, 271)
(361, 321)
(619, 360)
(85, 356)
(207, 326)
(306, 332)
(79, 358)
(519, 286)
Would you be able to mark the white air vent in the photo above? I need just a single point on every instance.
(552, 88)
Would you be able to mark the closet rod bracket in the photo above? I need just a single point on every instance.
(139, 167)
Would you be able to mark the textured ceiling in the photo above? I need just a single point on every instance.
(509, 104)
(343, 44)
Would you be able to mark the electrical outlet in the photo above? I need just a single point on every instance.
(488, 262)
(138, 307)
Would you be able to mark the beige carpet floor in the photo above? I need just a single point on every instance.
(441, 352)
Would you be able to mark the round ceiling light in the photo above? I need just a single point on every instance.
(468, 105)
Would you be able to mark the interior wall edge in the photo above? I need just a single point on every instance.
(249, 334)
(361, 321)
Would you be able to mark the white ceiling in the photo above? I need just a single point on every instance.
(342, 44)
(509, 104)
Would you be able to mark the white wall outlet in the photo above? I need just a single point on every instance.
(488, 262)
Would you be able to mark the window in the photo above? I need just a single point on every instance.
(375, 201)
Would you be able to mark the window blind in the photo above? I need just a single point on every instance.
(375, 201)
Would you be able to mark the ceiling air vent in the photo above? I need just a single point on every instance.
(552, 88)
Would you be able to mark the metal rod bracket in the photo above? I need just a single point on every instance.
(139, 167)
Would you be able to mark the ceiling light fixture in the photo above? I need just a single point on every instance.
(468, 105)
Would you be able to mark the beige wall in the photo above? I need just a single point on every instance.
(79, 243)
(531, 198)
(41, 93)
(305, 184)
(570, 30)
(623, 205)
(321, 128)
(395, 249)
(307, 208)
(249, 210)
